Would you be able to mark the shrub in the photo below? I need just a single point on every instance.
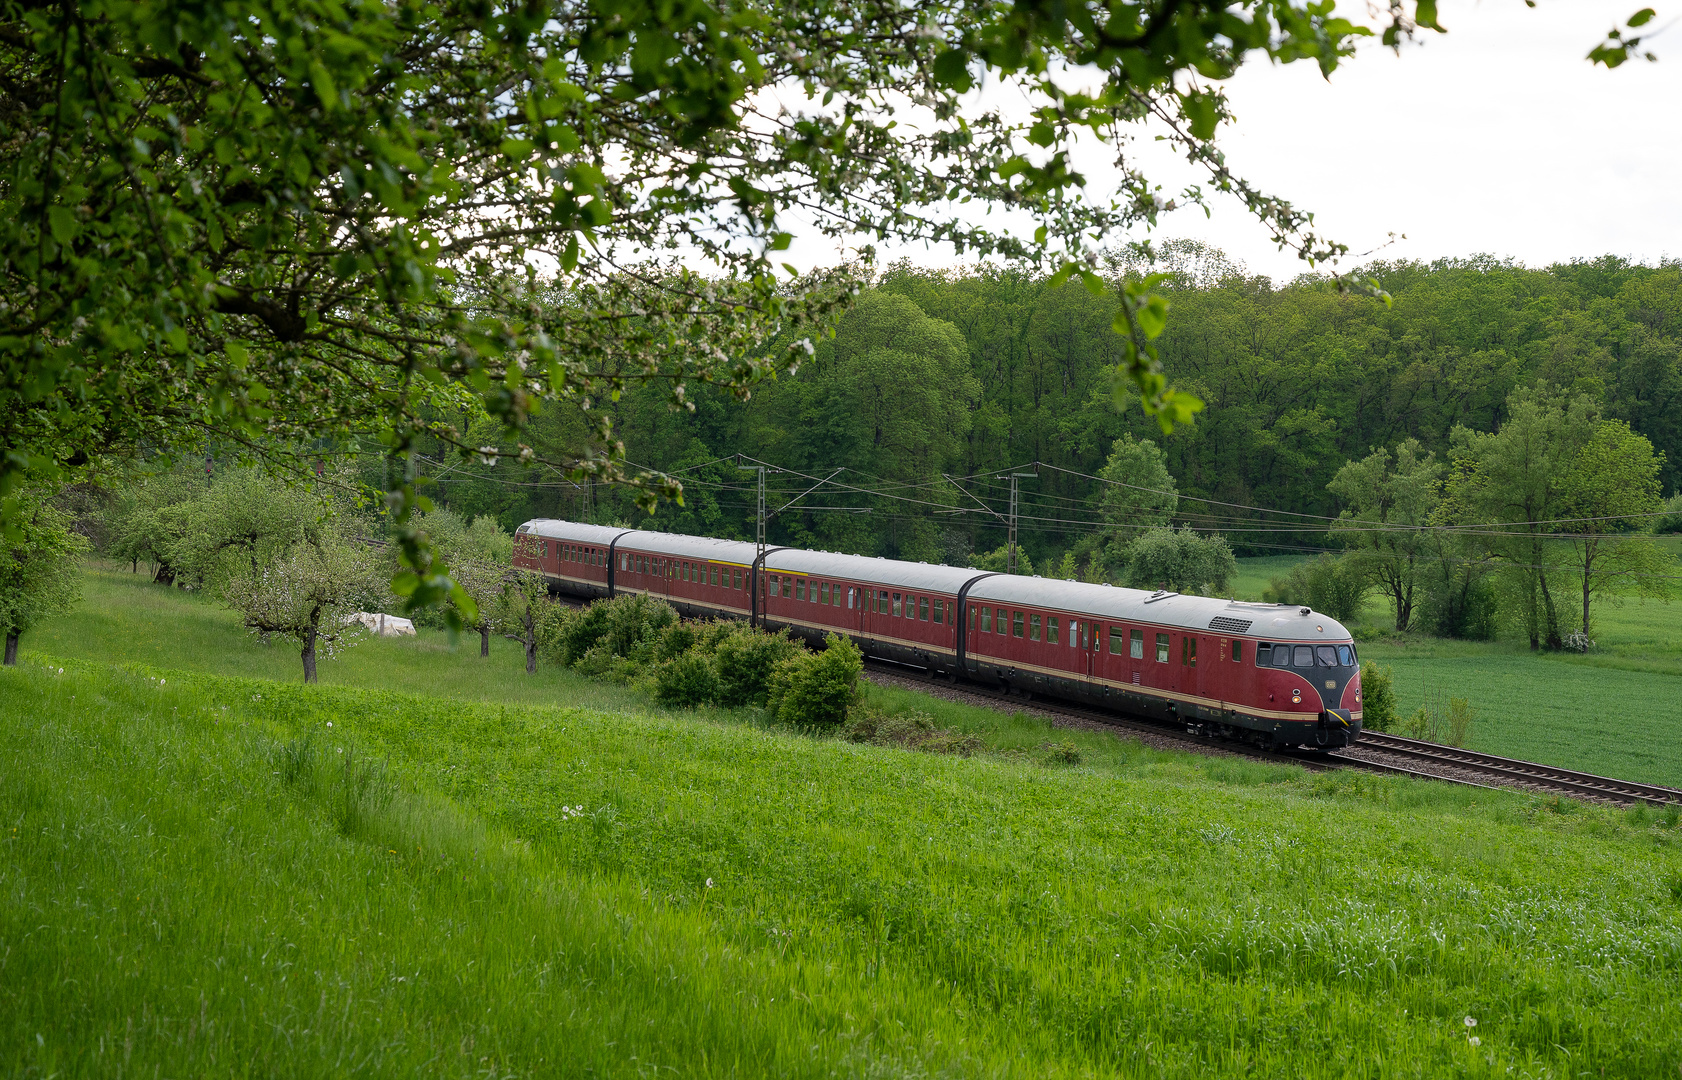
(686, 681)
(909, 731)
(577, 632)
(1671, 522)
(634, 621)
(1329, 584)
(1460, 717)
(675, 640)
(1378, 697)
(816, 690)
(743, 661)
(1062, 753)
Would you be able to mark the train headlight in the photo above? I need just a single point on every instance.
(1296, 697)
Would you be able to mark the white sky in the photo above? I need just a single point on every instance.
(1498, 137)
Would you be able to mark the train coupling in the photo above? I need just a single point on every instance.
(1337, 728)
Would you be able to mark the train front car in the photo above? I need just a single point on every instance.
(1307, 676)
(1270, 674)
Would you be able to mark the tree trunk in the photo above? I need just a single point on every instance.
(1588, 569)
(1553, 637)
(309, 646)
(484, 639)
(530, 640)
(11, 648)
(165, 574)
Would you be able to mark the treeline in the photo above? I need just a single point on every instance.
(972, 374)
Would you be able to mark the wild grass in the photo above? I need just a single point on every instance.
(206, 875)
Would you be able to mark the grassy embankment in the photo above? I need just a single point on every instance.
(201, 876)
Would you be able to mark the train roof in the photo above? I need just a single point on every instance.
(738, 552)
(571, 531)
(1282, 622)
(866, 569)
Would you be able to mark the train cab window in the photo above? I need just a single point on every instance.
(1033, 628)
(1281, 656)
(1326, 655)
(1051, 630)
(1136, 645)
(1118, 639)
(1016, 624)
(1345, 656)
(1162, 648)
(1302, 656)
(923, 609)
(1238, 652)
(986, 620)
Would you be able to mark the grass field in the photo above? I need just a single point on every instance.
(207, 875)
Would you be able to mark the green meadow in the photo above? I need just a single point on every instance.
(433, 865)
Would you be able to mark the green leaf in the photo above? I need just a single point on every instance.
(951, 68)
(63, 224)
(1642, 17)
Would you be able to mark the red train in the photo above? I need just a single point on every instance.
(1270, 674)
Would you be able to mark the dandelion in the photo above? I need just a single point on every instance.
(1473, 1040)
(709, 883)
(329, 723)
(1471, 1023)
(161, 682)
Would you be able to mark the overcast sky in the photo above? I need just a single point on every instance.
(1498, 137)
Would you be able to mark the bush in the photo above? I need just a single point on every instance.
(1460, 604)
(577, 632)
(1378, 697)
(686, 682)
(1329, 584)
(908, 731)
(675, 640)
(634, 621)
(743, 661)
(1062, 753)
(815, 690)
(1671, 522)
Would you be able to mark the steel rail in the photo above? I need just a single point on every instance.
(1624, 792)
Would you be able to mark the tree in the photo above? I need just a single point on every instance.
(523, 605)
(38, 568)
(1510, 488)
(283, 223)
(1180, 560)
(479, 556)
(306, 592)
(1612, 491)
(1140, 493)
(1389, 505)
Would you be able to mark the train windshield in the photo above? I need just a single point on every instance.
(1304, 656)
(1326, 655)
(1345, 656)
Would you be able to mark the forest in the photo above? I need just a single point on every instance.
(940, 383)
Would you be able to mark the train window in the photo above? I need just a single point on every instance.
(1304, 656)
(940, 611)
(1033, 628)
(1281, 656)
(1136, 645)
(1162, 648)
(1326, 655)
(1016, 624)
(1264, 653)
(896, 611)
(923, 608)
(642, 564)
(1118, 640)
(1188, 651)
(1345, 656)
(735, 579)
(1001, 621)
(986, 620)
(812, 590)
(1051, 630)
(776, 585)
(1074, 634)
(824, 587)
(1238, 652)
(851, 592)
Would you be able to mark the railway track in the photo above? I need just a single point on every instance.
(1412, 757)
(1516, 772)
(1313, 761)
